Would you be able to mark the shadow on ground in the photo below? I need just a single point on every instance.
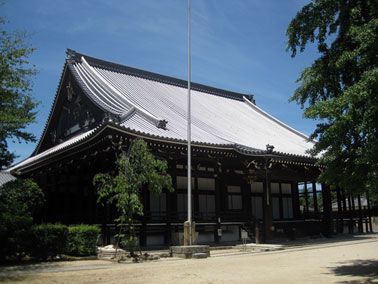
(315, 240)
(21, 271)
(28, 267)
(12, 278)
(358, 268)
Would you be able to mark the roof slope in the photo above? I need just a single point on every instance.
(155, 105)
(144, 100)
(5, 177)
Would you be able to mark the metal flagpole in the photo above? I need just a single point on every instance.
(189, 138)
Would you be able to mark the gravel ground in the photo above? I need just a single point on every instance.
(335, 261)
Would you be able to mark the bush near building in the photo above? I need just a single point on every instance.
(49, 241)
(82, 240)
(19, 200)
(52, 240)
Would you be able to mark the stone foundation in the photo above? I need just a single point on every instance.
(189, 251)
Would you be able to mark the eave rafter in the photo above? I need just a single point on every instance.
(118, 137)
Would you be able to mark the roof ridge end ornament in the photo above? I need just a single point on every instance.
(269, 148)
(71, 55)
(161, 124)
(251, 98)
(109, 117)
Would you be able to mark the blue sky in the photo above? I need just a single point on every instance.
(237, 45)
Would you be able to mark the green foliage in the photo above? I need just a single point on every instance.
(16, 101)
(135, 170)
(15, 223)
(19, 199)
(23, 192)
(49, 241)
(340, 89)
(82, 240)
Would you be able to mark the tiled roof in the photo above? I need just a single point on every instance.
(53, 150)
(145, 99)
(5, 177)
(155, 105)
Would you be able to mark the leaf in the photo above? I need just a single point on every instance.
(17, 104)
(340, 88)
(137, 170)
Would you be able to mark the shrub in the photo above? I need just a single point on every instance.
(49, 240)
(15, 224)
(19, 199)
(82, 240)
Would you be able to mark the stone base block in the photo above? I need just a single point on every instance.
(200, 255)
(109, 252)
(189, 251)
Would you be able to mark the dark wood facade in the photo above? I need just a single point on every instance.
(234, 189)
(231, 191)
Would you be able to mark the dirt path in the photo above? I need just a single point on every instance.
(354, 262)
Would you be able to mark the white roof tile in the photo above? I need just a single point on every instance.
(215, 119)
(142, 101)
(53, 150)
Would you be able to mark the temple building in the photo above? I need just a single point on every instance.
(250, 171)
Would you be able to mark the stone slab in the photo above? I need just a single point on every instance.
(109, 252)
(261, 247)
(189, 251)
(200, 255)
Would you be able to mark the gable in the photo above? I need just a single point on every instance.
(73, 113)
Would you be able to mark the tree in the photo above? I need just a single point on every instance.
(340, 88)
(19, 200)
(135, 169)
(16, 102)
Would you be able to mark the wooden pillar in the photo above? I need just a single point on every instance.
(306, 210)
(327, 213)
(350, 211)
(344, 205)
(296, 209)
(194, 185)
(369, 213)
(218, 201)
(343, 201)
(314, 194)
(246, 200)
(360, 227)
(143, 232)
(168, 234)
(280, 202)
(353, 212)
(267, 207)
(340, 221)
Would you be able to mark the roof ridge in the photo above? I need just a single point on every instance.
(93, 61)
